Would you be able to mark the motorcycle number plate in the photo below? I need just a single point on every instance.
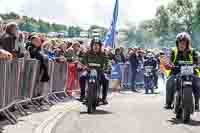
(148, 69)
(93, 73)
(187, 70)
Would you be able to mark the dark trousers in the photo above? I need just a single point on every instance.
(170, 89)
(82, 82)
(148, 84)
(102, 82)
(133, 79)
(155, 74)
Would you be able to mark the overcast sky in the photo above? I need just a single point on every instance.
(83, 12)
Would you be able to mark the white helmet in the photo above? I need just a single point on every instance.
(183, 36)
(149, 55)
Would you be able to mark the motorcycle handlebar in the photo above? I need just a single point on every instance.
(194, 66)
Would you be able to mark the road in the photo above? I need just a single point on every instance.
(127, 113)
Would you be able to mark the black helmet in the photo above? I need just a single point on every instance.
(96, 41)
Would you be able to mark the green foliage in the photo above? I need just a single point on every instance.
(31, 25)
(178, 16)
(8, 16)
(74, 31)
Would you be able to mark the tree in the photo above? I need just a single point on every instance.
(29, 27)
(161, 23)
(183, 12)
(10, 15)
(74, 31)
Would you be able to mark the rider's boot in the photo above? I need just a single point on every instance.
(168, 106)
(152, 90)
(105, 102)
(197, 103)
(146, 91)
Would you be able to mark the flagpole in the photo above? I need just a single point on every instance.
(111, 35)
(114, 32)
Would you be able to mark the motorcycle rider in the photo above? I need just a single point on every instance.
(182, 52)
(95, 55)
(149, 61)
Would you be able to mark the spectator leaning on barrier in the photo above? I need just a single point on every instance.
(48, 49)
(74, 56)
(8, 42)
(1, 26)
(20, 45)
(35, 49)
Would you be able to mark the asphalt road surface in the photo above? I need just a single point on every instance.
(127, 113)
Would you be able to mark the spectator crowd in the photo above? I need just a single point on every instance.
(16, 44)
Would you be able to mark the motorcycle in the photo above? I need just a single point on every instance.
(184, 98)
(148, 79)
(93, 91)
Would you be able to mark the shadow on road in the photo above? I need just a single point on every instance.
(129, 91)
(98, 112)
(175, 121)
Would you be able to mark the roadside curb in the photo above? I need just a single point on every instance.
(48, 125)
(43, 122)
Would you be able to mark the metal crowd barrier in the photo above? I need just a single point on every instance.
(20, 83)
(58, 80)
(125, 72)
(126, 76)
(28, 78)
(59, 77)
(140, 79)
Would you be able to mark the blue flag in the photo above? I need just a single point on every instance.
(109, 40)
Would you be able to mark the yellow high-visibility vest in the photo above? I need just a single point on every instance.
(175, 50)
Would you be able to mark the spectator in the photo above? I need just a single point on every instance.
(118, 57)
(162, 66)
(122, 54)
(20, 45)
(8, 41)
(129, 53)
(1, 26)
(134, 65)
(140, 58)
(76, 50)
(109, 53)
(35, 49)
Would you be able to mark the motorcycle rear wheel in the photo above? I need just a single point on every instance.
(186, 115)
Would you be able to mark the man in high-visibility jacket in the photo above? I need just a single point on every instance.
(183, 52)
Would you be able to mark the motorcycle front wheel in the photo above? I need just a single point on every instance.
(91, 98)
(188, 104)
